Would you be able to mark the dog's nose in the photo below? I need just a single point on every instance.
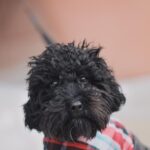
(76, 107)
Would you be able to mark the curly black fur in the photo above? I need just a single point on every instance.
(61, 75)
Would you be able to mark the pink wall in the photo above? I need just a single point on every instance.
(121, 27)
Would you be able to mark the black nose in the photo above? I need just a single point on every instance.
(76, 107)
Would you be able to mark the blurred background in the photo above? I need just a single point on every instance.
(121, 27)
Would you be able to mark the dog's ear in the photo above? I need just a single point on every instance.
(107, 82)
(32, 108)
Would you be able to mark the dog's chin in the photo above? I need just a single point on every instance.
(78, 127)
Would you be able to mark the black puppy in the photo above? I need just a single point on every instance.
(72, 92)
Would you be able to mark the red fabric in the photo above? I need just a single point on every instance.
(120, 135)
(82, 146)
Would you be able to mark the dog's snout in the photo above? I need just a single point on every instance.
(76, 107)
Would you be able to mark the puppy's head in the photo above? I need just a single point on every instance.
(72, 92)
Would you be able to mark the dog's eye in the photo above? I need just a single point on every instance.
(83, 79)
(54, 83)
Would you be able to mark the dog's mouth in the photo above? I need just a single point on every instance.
(71, 128)
(79, 126)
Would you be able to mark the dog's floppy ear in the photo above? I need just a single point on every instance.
(32, 108)
(108, 83)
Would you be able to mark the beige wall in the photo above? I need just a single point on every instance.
(121, 27)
